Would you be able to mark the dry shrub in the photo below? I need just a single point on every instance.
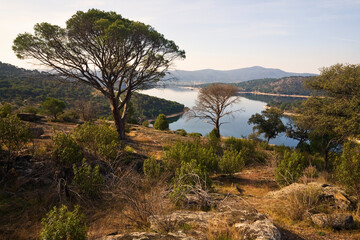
(144, 199)
(301, 203)
(221, 230)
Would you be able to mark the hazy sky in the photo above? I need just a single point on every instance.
(293, 35)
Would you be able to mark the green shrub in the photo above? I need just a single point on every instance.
(195, 135)
(232, 161)
(70, 116)
(348, 168)
(100, 139)
(189, 178)
(66, 150)
(181, 132)
(62, 224)
(88, 180)
(152, 169)
(191, 150)
(161, 123)
(247, 147)
(53, 107)
(290, 168)
(5, 110)
(145, 123)
(14, 134)
(31, 109)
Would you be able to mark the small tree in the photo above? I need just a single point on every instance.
(14, 134)
(268, 122)
(53, 106)
(213, 103)
(161, 123)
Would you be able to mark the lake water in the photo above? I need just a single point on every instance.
(235, 126)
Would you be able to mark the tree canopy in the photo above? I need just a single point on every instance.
(112, 54)
(213, 103)
(268, 122)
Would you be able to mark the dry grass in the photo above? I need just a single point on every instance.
(221, 230)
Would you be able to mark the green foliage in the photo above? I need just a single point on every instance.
(348, 168)
(14, 134)
(290, 168)
(161, 123)
(66, 150)
(181, 132)
(71, 116)
(195, 135)
(5, 110)
(88, 180)
(191, 150)
(53, 107)
(231, 161)
(152, 169)
(214, 135)
(99, 139)
(62, 224)
(145, 123)
(268, 122)
(31, 109)
(189, 177)
(247, 148)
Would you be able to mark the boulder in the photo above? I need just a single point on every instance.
(29, 117)
(336, 221)
(36, 132)
(336, 196)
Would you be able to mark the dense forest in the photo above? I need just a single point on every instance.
(28, 88)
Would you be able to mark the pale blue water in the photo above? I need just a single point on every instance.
(235, 126)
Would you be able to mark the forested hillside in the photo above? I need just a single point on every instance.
(24, 87)
(286, 85)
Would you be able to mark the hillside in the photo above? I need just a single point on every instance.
(286, 85)
(24, 87)
(231, 76)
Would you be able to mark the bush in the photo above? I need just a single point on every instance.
(145, 123)
(87, 179)
(70, 116)
(62, 224)
(101, 139)
(195, 135)
(14, 134)
(152, 168)
(290, 168)
(247, 147)
(161, 123)
(31, 109)
(5, 110)
(189, 178)
(66, 150)
(181, 132)
(348, 168)
(191, 150)
(232, 161)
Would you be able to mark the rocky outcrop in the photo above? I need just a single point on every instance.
(30, 117)
(249, 222)
(148, 236)
(334, 195)
(336, 221)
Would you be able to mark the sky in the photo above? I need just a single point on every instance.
(293, 35)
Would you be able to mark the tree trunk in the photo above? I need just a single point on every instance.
(217, 127)
(119, 122)
(268, 140)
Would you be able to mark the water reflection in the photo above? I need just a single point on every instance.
(236, 125)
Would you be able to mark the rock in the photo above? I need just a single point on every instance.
(36, 131)
(249, 222)
(334, 195)
(148, 236)
(29, 117)
(336, 221)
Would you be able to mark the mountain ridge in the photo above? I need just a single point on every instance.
(184, 77)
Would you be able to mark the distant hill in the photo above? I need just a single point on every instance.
(285, 85)
(230, 76)
(23, 87)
